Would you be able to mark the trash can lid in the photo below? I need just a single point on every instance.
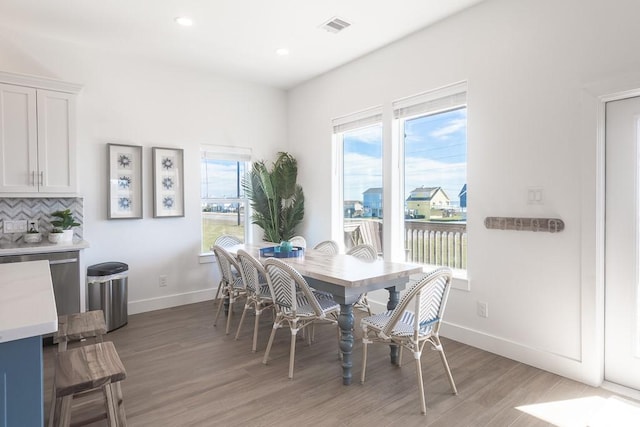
(106, 268)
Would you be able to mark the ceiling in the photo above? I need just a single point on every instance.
(233, 37)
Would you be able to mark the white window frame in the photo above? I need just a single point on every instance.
(443, 99)
(339, 126)
(237, 154)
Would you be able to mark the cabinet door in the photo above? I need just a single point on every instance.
(56, 142)
(18, 139)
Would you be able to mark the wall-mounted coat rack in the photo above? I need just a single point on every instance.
(551, 225)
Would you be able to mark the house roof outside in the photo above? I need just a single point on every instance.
(431, 192)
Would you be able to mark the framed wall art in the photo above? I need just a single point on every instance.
(168, 185)
(125, 181)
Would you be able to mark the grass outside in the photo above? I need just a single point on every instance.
(215, 225)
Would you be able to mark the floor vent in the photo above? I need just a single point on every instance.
(335, 25)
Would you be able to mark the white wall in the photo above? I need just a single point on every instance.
(132, 101)
(534, 70)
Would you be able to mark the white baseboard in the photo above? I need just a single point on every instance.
(168, 301)
(556, 363)
(619, 389)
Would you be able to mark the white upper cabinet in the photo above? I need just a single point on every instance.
(37, 139)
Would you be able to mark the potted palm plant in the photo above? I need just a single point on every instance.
(62, 226)
(276, 199)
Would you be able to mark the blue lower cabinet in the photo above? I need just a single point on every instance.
(21, 396)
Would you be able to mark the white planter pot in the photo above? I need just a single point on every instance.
(32, 237)
(55, 237)
(67, 236)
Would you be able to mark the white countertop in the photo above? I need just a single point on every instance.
(27, 303)
(45, 246)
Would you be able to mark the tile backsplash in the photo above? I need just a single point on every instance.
(40, 209)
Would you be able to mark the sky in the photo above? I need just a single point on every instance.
(435, 155)
(221, 177)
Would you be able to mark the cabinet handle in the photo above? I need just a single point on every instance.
(41, 178)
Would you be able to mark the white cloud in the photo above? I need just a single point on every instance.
(452, 127)
(369, 135)
(361, 173)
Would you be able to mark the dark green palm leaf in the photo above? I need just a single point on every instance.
(276, 200)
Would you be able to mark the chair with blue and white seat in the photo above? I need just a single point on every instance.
(296, 305)
(258, 294)
(233, 287)
(413, 323)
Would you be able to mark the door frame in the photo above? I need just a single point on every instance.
(601, 233)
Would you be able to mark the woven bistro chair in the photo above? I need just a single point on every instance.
(298, 241)
(329, 247)
(413, 323)
(225, 240)
(368, 252)
(258, 294)
(232, 285)
(296, 305)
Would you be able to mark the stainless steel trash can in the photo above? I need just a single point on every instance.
(107, 290)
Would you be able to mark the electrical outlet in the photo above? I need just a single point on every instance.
(18, 226)
(162, 280)
(483, 309)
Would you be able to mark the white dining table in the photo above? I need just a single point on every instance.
(346, 278)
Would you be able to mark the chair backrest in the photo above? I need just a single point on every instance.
(287, 286)
(252, 271)
(423, 303)
(298, 241)
(363, 251)
(370, 232)
(226, 263)
(328, 247)
(227, 240)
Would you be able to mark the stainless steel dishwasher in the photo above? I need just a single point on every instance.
(65, 275)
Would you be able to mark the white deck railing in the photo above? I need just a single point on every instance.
(436, 243)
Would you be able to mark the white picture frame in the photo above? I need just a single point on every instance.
(168, 182)
(124, 166)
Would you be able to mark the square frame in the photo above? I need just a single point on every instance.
(124, 166)
(168, 182)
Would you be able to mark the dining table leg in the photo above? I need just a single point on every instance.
(394, 297)
(345, 322)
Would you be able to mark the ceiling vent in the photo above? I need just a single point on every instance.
(335, 25)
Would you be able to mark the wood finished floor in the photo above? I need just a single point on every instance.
(183, 371)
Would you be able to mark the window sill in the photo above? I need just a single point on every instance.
(206, 258)
(461, 282)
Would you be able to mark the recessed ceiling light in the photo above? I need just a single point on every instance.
(184, 21)
(283, 51)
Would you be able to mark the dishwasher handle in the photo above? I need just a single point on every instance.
(63, 261)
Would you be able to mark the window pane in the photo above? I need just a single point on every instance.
(221, 179)
(362, 180)
(435, 148)
(222, 200)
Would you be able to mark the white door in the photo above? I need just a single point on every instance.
(622, 289)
